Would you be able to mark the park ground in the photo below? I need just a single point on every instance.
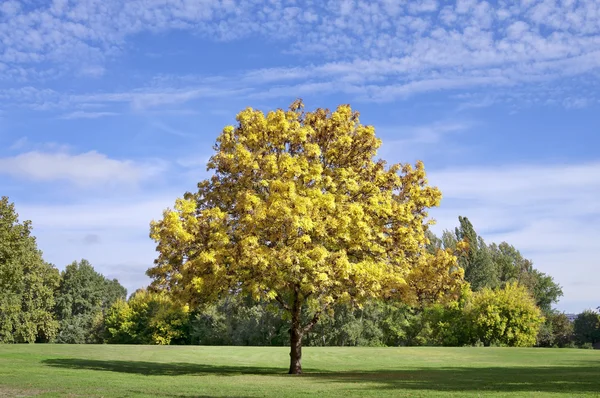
(178, 371)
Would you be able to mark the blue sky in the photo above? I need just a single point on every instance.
(109, 109)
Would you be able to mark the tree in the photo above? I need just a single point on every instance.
(348, 325)
(27, 283)
(505, 316)
(479, 267)
(298, 212)
(83, 296)
(239, 320)
(587, 328)
(449, 322)
(512, 267)
(557, 331)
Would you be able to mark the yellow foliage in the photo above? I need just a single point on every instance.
(298, 211)
(507, 316)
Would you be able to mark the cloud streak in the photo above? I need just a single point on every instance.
(85, 170)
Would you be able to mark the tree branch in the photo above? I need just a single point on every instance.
(283, 304)
(312, 322)
(315, 318)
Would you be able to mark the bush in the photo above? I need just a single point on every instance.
(506, 316)
(147, 318)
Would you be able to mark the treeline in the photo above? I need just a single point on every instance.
(501, 317)
(505, 302)
(40, 304)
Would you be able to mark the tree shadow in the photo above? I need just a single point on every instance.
(576, 378)
(160, 368)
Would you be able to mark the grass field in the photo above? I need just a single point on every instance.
(144, 371)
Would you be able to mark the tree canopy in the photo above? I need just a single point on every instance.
(27, 283)
(82, 296)
(299, 211)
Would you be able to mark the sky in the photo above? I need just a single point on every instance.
(109, 111)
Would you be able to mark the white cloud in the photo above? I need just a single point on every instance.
(399, 49)
(549, 212)
(401, 142)
(118, 230)
(90, 169)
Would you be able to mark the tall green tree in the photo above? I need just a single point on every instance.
(27, 283)
(478, 264)
(298, 211)
(82, 297)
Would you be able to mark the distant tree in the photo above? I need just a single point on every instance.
(513, 267)
(505, 316)
(27, 283)
(299, 212)
(348, 325)
(237, 319)
(449, 323)
(562, 329)
(82, 297)
(433, 242)
(478, 264)
(587, 328)
(544, 289)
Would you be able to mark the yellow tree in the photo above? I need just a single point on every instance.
(298, 211)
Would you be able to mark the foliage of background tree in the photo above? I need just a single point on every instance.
(497, 265)
(450, 323)
(505, 316)
(512, 267)
(298, 212)
(147, 318)
(587, 328)
(239, 320)
(82, 298)
(27, 283)
(348, 325)
(480, 270)
(557, 331)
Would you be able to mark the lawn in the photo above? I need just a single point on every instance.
(143, 371)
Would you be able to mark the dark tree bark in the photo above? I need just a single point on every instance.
(296, 334)
(296, 352)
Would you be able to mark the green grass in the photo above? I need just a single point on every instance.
(143, 371)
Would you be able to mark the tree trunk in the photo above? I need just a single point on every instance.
(296, 351)
(296, 334)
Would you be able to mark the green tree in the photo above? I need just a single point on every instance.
(512, 267)
(348, 325)
(505, 316)
(557, 331)
(82, 297)
(27, 283)
(298, 212)
(449, 323)
(478, 265)
(237, 319)
(587, 328)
